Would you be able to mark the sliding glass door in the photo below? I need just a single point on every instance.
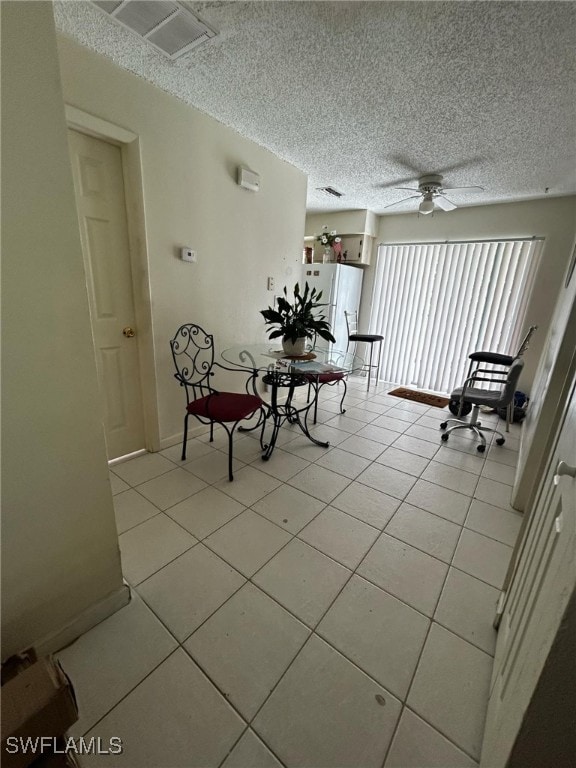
(435, 303)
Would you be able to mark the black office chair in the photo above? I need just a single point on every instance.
(193, 354)
(497, 397)
(367, 338)
(494, 358)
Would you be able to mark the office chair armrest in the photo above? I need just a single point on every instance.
(496, 376)
(485, 378)
(471, 380)
(496, 358)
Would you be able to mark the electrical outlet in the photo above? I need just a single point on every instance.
(270, 283)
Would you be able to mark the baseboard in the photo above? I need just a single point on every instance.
(168, 442)
(84, 621)
(127, 457)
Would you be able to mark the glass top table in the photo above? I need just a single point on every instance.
(286, 373)
(263, 357)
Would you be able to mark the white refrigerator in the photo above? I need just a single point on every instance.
(341, 286)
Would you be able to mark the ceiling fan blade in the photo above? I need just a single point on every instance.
(419, 171)
(392, 184)
(409, 189)
(459, 166)
(465, 189)
(408, 164)
(412, 197)
(444, 203)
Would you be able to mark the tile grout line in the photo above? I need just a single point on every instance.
(417, 665)
(121, 699)
(296, 535)
(247, 730)
(314, 633)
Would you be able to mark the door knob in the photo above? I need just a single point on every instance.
(128, 332)
(563, 469)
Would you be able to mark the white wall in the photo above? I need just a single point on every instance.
(59, 544)
(550, 392)
(553, 218)
(191, 198)
(361, 222)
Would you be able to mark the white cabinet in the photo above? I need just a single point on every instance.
(356, 249)
(357, 228)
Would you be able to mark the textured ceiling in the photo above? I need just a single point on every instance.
(364, 96)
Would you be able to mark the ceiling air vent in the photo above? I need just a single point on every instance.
(330, 191)
(168, 26)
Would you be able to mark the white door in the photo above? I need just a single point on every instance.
(101, 204)
(543, 582)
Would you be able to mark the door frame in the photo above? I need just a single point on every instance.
(553, 682)
(129, 144)
(543, 414)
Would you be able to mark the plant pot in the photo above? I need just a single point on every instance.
(297, 347)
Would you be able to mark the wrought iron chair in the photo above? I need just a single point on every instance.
(193, 354)
(318, 380)
(366, 338)
(499, 397)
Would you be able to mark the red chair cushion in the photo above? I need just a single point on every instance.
(225, 406)
(324, 378)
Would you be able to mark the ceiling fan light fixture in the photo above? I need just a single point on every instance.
(426, 206)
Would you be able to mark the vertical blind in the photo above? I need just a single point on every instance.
(435, 303)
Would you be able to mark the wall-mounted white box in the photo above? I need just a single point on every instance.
(187, 254)
(248, 179)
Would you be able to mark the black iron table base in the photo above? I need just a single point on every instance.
(284, 411)
(279, 372)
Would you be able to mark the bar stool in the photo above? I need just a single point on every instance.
(367, 338)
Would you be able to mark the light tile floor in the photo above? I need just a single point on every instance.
(331, 607)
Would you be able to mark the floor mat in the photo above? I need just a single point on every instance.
(420, 397)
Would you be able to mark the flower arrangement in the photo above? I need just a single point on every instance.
(328, 238)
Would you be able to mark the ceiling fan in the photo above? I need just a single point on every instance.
(431, 190)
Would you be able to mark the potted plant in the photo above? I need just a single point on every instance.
(297, 321)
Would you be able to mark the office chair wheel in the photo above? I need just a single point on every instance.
(481, 448)
(444, 437)
(500, 441)
(444, 425)
(454, 407)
